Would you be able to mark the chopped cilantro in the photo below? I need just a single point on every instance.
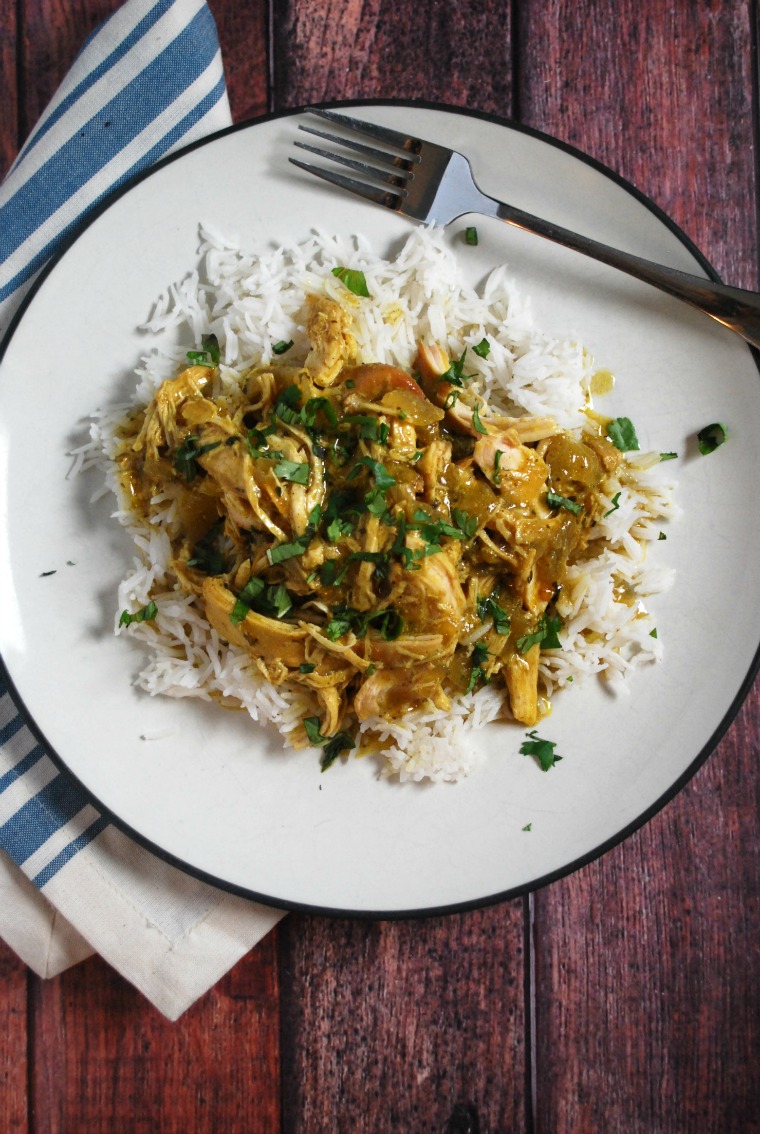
(477, 673)
(383, 478)
(489, 607)
(294, 471)
(543, 750)
(555, 501)
(496, 462)
(529, 826)
(477, 423)
(147, 614)
(187, 454)
(668, 456)
(653, 633)
(207, 556)
(471, 236)
(622, 434)
(334, 745)
(270, 599)
(482, 349)
(209, 354)
(544, 635)
(711, 437)
(306, 667)
(281, 347)
(615, 506)
(354, 280)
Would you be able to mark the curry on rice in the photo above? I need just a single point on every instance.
(377, 537)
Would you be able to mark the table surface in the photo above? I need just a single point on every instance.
(622, 998)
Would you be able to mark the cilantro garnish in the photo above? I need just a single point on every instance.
(615, 506)
(477, 423)
(281, 347)
(187, 454)
(711, 437)
(334, 745)
(383, 478)
(147, 614)
(370, 428)
(477, 673)
(354, 280)
(622, 434)
(483, 348)
(490, 607)
(555, 501)
(455, 374)
(283, 551)
(668, 456)
(306, 667)
(471, 236)
(496, 462)
(206, 555)
(209, 354)
(544, 635)
(270, 599)
(294, 471)
(543, 750)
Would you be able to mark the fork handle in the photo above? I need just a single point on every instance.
(735, 308)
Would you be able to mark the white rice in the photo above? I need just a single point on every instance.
(253, 301)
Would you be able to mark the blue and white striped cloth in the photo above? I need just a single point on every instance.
(148, 81)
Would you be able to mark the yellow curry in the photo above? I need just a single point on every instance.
(378, 537)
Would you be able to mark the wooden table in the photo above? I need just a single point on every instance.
(624, 998)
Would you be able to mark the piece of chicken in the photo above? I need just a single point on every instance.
(332, 344)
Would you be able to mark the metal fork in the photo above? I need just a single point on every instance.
(433, 184)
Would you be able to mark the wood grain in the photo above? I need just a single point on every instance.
(9, 103)
(243, 31)
(13, 1042)
(646, 962)
(106, 1061)
(663, 94)
(404, 1026)
(371, 49)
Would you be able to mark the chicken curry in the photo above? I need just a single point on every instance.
(377, 537)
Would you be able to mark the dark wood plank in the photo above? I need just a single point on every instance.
(646, 966)
(409, 1026)
(13, 1042)
(663, 94)
(8, 85)
(243, 37)
(369, 49)
(106, 1061)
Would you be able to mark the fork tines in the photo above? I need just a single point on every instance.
(389, 170)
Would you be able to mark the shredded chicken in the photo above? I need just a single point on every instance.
(380, 538)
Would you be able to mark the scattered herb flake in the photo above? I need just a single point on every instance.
(209, 353)
(477, 423)
(482, 349)
(281, 347)
(622, 434)
(528, 827)
(471, 236)
(711, 438)
(615, 506)
(668, 456)
(556, 501)
(543, 750)
(294, 471)
(354, 280)
(306, 667)
(147, 614)
(544, 635)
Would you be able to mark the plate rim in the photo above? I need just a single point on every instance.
(481, 902)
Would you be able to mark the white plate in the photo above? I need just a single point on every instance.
(221, 797)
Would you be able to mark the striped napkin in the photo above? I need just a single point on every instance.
(147, 82)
